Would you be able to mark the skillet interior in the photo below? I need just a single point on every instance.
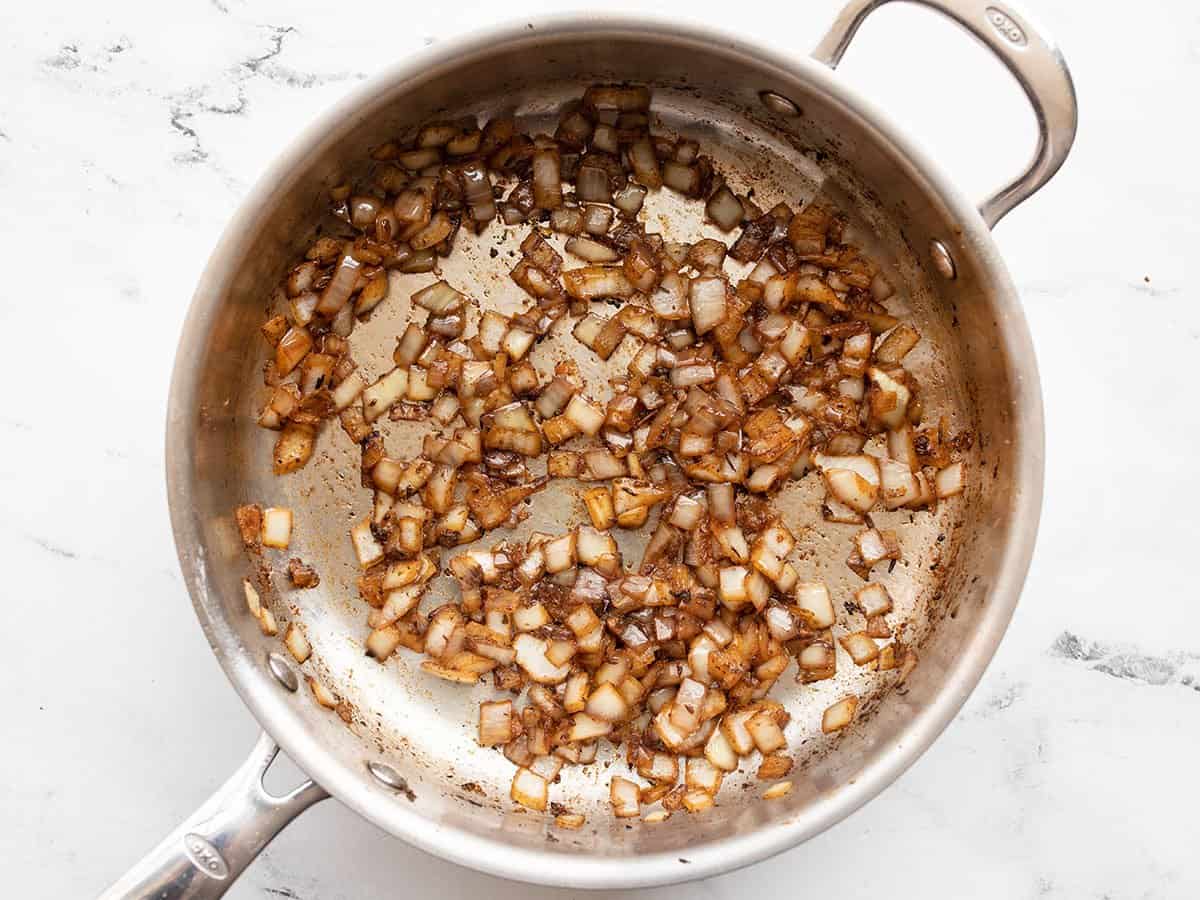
(424, 728)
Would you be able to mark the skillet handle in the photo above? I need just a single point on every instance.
(1029, 54)
(202, 858)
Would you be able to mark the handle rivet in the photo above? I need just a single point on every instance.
(778, 104)
(942, 260)
(283, 672)
(389, 777)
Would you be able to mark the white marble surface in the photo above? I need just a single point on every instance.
(128, 132)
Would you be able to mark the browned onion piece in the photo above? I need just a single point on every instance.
(645, 164)
(724, 208)
(707, 302)
(341, 286)
(547, 185)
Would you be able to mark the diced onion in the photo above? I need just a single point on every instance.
(276, 527)
(626, 802)
(297, 643)
(529, 790)
(839, 715)
(814, 604)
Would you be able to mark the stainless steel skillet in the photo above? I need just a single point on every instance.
(406, 758)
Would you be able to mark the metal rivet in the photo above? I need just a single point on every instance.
(387, 775)
(282, 671)
(778, 104)
(942, 260)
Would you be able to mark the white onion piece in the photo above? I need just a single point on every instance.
(530, 618)
(763, 271)
(382, 642)
(348, 390)
(668, 733)
(703, 775)
(719, 752)
(765, 732)
(815, 657)
(720, 503)
(322, 694)
(781, 623)
(529, 790)
(384, 393)
(597, 219)
(341, 286)
(670, 298)
(873, 546)
(733, 588)
(547, 767)
(296, 642)
(585, 727)
(814, 605)
(707, 302)
(607, 704)
(698, 801)
(625, 797)
(495, 723)
(277, 527)
(439, 298)
(898, 484)
(852, 481)
(777, 539)
(584, 415)
(593, 546)
(644, 163)
(443, 637)
(949, 481)
(629, 198)
(839, 715)
(547, 185)
(560, 553)
(253, 601)
(732, 542)
(688, 376)
(366, 547)
(874, 600)
(592, 185)
(592, 250)
(894, 416)
(266, 622)
(680, 177)
(685, 708)
(492, 328)
(596, 282)
(899, 341)
(575, 693)
(687, 512)
(777, 791)
(399, 603)
(531, 657)
(573, 821)
(725, 209)
(861, 647)
(734, 727)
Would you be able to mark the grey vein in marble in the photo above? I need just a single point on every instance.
(61, 552)
(187, 105)
(190, 103)
(1127, 663)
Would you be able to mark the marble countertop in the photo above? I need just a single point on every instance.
(129, 130)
